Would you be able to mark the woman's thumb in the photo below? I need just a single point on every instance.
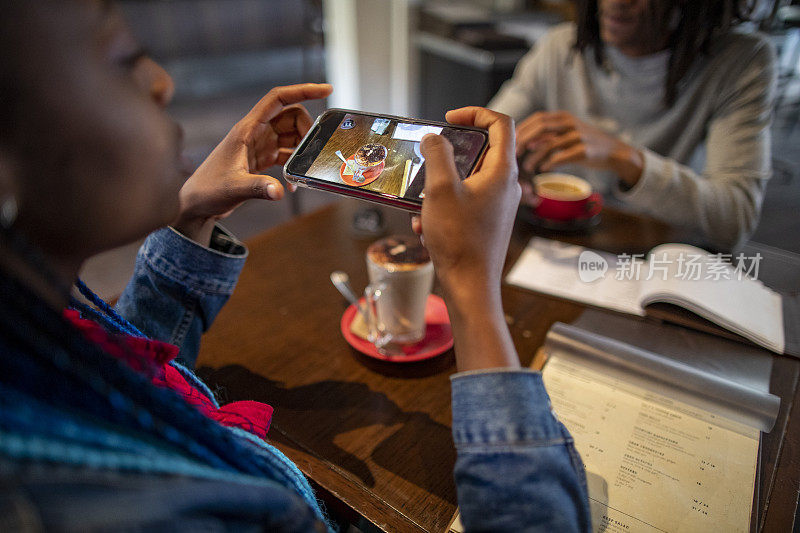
(440, 167)
(255, 186)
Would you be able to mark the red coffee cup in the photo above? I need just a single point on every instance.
(564, 197)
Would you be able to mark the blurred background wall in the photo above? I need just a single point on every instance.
(406, 57)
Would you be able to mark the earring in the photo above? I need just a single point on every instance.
(8, 212)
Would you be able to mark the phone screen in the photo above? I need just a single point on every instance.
(380, 154)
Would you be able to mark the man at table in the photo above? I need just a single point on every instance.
(633, 94)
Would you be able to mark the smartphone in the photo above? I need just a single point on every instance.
(377, 157)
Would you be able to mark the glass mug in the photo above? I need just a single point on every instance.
(400, 279)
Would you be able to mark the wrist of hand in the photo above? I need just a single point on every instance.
(197, 229)
(482, 339)
(628, 163)
(465, 296)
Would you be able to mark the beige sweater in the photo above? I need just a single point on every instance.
(724, 107)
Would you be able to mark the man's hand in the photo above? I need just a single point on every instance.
(467, 226)
(266, 136)
(546, 140)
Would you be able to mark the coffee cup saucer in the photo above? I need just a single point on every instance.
(438, 335)
(369, 175)
(574, 225)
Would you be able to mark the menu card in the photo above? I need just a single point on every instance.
(667, 446)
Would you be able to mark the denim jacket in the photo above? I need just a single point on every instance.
(517, 468)
(178, 287)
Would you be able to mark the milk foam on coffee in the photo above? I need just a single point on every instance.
(561, 186)
(370, 155)
(555, 186)
(398, 253)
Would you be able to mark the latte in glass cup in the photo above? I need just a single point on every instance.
(402, 268)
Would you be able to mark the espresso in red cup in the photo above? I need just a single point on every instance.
(564, 197)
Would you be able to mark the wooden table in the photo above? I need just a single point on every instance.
(374, 437)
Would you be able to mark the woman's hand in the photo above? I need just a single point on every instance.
(467, 226)
(546, 140)
(266, 136)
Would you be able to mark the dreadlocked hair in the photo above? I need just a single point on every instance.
(694, 24)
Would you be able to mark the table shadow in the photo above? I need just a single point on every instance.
(312, 414)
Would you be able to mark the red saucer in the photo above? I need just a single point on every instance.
(438, 335)
(369, 175)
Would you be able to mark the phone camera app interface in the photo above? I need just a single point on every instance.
(383, 155)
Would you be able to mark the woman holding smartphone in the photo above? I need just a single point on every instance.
(100, 427)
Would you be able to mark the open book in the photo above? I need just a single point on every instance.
(667, 446)
(678, 274)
